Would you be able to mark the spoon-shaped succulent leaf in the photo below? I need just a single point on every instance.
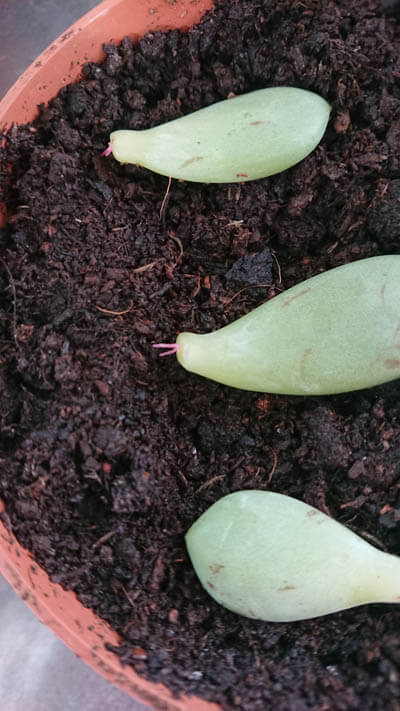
(271, 557)
(336, 332)
(248, 137)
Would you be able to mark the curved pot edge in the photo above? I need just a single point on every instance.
(108, 22)
(80, 629)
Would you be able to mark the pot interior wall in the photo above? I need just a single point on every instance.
(62, 62)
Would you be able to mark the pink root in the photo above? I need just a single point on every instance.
(107, 151)
(171, 348)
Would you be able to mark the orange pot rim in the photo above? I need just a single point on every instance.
(61, 63)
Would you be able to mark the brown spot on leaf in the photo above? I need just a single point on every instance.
(392, 363)
(256, 123)
(296, 296)
(382, 292)
(286, 587)
(210, 585)
(216, 567)
(320, 516)
(306, 353)
(189, 161)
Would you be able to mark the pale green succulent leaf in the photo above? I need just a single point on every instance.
(250, 136)
(336, 332)
(271, 557)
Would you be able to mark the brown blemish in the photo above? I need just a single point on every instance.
(255, 123)
(210, 585)
(286, 587)
(307, 352)
(251, 612)
(382, 292)
(315, 512)
(216, 567)
(391, 363)
(242, 175)
(296, 296)
(189, 161)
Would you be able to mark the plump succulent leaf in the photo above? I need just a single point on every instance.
(248, 137)
(271, 557)
(336, 332)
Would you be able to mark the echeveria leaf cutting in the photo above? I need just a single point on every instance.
(272, 557)
(336, 332)
(244, 138)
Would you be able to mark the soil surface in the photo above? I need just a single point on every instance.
(109, 453)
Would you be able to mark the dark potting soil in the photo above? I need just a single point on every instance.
(109, 453)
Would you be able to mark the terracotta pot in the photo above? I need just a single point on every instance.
(84, 632)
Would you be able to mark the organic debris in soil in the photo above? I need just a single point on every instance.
(108, 453)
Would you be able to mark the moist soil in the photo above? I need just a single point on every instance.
(109, 453)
